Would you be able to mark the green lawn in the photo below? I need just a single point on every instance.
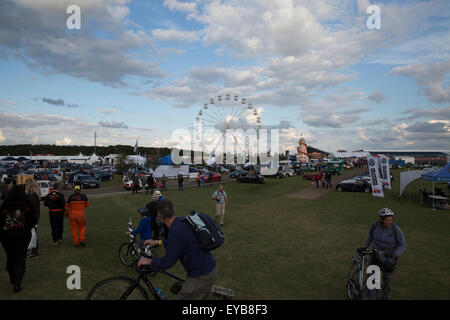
(276, 247)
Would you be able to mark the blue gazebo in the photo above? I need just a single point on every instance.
(439, 175)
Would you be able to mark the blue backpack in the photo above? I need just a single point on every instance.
(206, 230)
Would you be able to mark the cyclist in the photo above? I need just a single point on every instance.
(386, 236)
(145, 225)
(182, 244)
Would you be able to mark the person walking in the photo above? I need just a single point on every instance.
(385, 235)
(17, 217)
(33, 192)
(163, 183)
(183, 245)
(135, 181)
(317, 178)
(56, 204)
(328, 180)
(210, 177)
(75, 208)
(221, 199)
(180, 182)
(150, 184)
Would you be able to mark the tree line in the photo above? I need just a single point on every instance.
(73, 150)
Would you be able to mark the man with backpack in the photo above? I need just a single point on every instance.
(182, 244)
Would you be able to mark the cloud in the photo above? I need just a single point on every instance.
(64, 142)
(377, 96)
(59, 102)
(107, 111)
(2, 137)
(55, 102)
(44, 44)
(114, 125)
(6, 103)
(175, 35)
(429, 77)
(180, 6)
(430, 127)
(435, 114)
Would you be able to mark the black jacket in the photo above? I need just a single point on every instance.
(55, 201)
(18, 212)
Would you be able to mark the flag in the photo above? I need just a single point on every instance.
(374, 173)
(136, 146)
(385, 173)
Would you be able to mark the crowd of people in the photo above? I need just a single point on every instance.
(20, 214)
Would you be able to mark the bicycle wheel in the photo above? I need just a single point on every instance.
(353, 290)
(127, 254)
(117, 288)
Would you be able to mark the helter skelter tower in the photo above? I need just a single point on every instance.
(302, 151)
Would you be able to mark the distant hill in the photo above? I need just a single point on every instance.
(28, 149)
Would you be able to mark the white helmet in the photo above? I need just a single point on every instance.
(385, 212)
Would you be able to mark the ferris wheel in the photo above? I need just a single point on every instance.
(227, 112)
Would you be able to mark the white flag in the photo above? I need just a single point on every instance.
(385, 172)
(136, 146)
(374, 173)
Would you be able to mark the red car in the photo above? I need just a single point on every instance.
(216, 177)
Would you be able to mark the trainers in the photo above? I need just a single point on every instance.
(31, 255)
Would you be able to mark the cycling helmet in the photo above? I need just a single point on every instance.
(143, 211)
(385, 212)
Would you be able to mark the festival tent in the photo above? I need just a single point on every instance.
(136, 160)
(440, 175)
(167, 160)
(407, 177)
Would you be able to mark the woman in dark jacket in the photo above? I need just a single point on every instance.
(17, 217)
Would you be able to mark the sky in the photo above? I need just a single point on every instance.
(141, 69)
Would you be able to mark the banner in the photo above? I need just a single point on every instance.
(385, 172)
(377, 186)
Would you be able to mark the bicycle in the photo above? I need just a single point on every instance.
(356, 280)
(123, 288)
(129, 252)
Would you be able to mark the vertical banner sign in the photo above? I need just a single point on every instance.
(377, 187)
(385, 173)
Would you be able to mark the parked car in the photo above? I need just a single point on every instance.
(288, 172)
(45, 188)
(358, 184)
(86, 181)
(238, 173)
(252, 179)
(216, 177)
(277, 175)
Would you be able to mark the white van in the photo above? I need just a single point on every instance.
(45, 188)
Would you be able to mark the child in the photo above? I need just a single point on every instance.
(145, 226)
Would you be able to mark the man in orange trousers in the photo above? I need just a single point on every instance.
(76, 204)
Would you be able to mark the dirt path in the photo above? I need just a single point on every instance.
(315, 193)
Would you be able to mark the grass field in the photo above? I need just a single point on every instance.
(276, 247)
